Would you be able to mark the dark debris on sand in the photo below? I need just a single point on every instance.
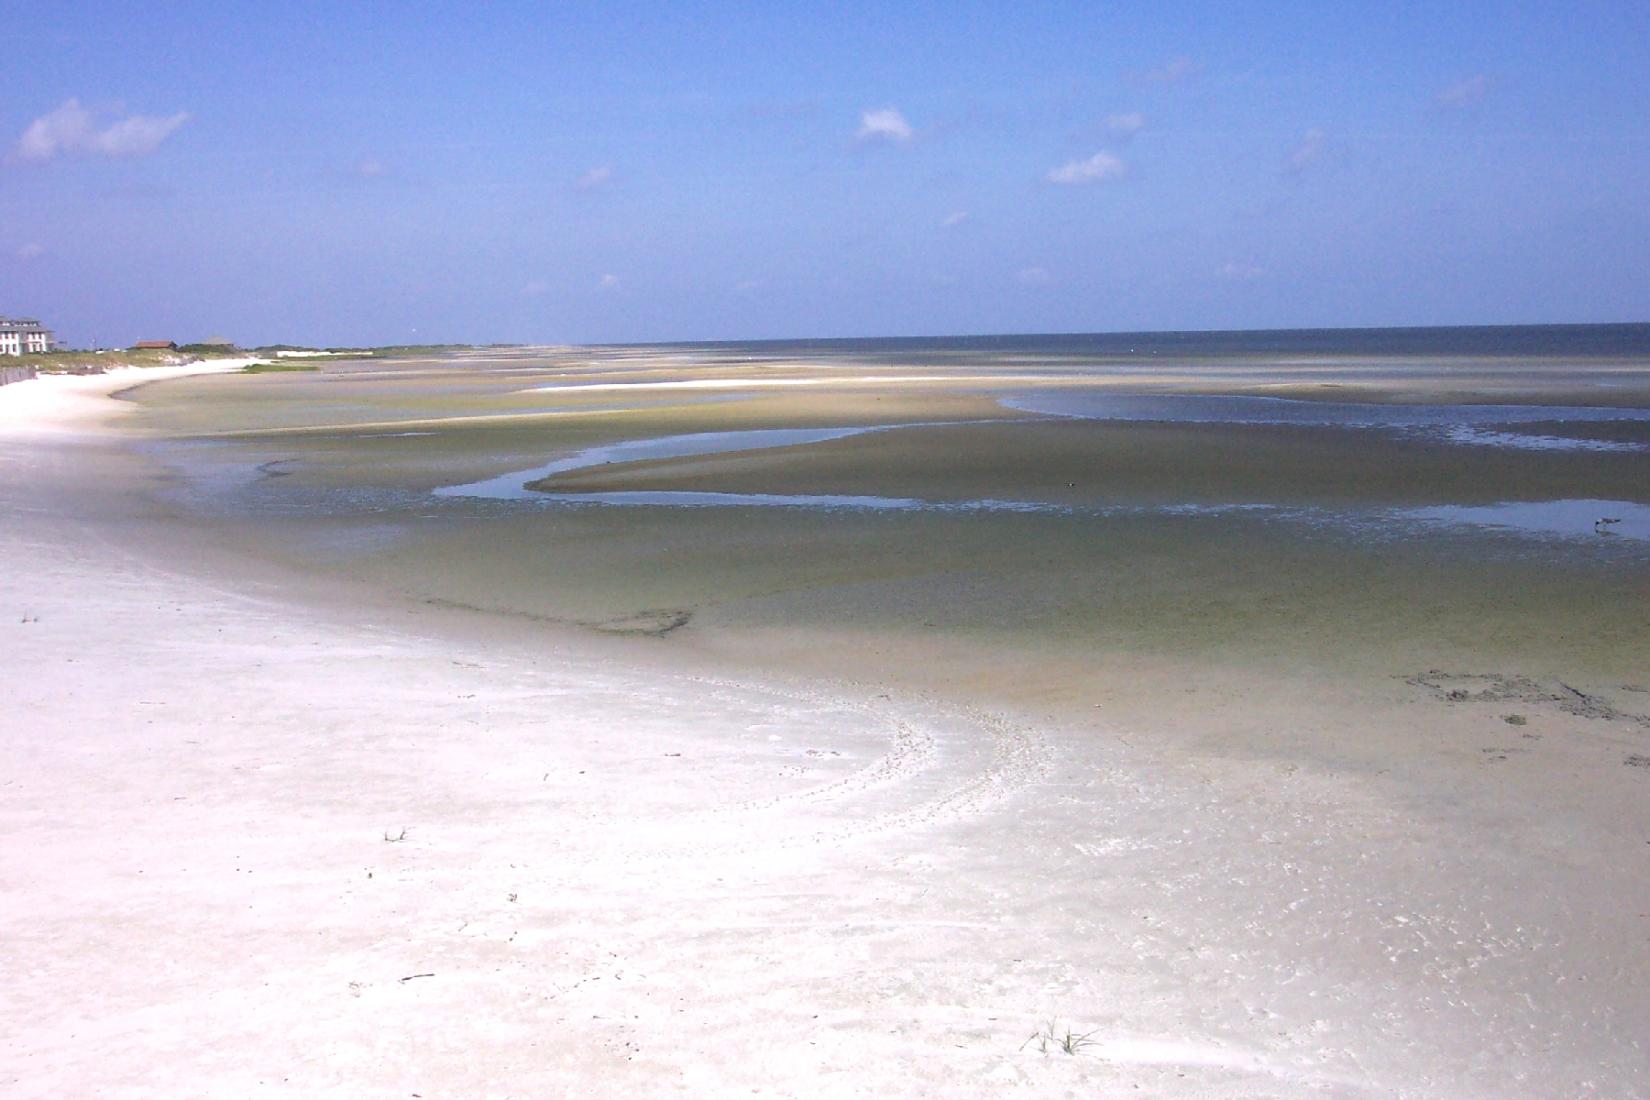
(1494, 687)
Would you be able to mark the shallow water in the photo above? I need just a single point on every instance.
(1471, 425)
(513, 486)
(1577, 519)
(1571, 519)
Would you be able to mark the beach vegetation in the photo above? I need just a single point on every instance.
(279, 368)
(396, 350)
(96, 362)
(1051, 1036)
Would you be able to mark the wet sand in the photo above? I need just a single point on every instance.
(816, 803)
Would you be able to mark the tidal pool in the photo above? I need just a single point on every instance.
(513, 485)
(1583, 519)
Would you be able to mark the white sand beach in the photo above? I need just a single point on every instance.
(266, 835)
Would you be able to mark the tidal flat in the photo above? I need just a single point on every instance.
(1030, 507)
(1041, 530)
(740, 718)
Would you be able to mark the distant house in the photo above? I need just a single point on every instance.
(155, 345)
(24, 336)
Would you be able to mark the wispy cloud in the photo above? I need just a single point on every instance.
(1464, 93)
(608, 282)
(600, 176)
(1125, 125)
(955, 218)
(535, 288)
(74, 130)
(1096, 169)
(31, 251)
(1033, 276)
(370, 169)
(884, 124)
(1172, 71)
(1309, 151)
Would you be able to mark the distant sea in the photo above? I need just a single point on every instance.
(1497, 341)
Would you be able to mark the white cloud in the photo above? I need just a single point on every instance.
(1309, 151)
(1096, 169)
(66, 128)
(955, 218)
(607, 282)
(138, 135)
(31, 251)
(1033, 276)
(72, 129)
(884, 124)
(1172, 71)
(1464, 93)
(1126, 125)
(596, 177)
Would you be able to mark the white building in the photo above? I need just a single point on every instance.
(23, 336)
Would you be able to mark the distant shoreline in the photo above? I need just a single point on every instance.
(1578, 339)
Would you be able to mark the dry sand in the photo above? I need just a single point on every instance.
(261, 838)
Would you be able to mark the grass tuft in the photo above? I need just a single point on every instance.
(1051, 1037)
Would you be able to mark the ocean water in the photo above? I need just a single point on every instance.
(1581, 342)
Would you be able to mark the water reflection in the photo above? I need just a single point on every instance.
(1585, 519)
(513, 485)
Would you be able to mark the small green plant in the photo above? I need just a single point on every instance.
(1052, 1037)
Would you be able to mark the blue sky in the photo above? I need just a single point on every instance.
(330, 174)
